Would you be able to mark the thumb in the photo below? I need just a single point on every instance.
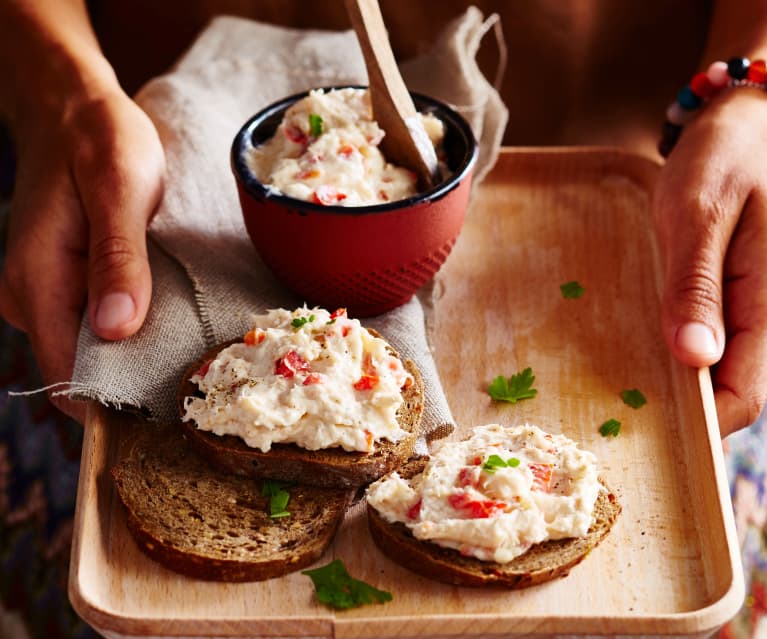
(691, 313)
(119, 279)
(119, 176)
(119, 206)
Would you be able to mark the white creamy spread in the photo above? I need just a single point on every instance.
(326, 151)
(496, 494)
(308, 377)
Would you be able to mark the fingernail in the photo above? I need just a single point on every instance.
(114, 311)
(695, 337)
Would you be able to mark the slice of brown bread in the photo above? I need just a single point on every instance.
(332, 467)
(209, 525)
(543, 562)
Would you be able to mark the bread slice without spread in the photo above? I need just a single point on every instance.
(210, 525)
(332, 467)
(543, 562)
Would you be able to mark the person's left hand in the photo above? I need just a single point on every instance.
(710, 209)
(89, 179)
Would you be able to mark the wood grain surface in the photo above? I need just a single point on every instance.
(671, 564)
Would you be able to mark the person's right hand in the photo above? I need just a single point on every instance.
(89, 177)
(710, 206)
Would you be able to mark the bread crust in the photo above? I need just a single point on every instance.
(330, 468)
(209, 525)
(543, 562)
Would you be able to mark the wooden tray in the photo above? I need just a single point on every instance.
(671, 565)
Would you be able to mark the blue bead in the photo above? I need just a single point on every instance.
(738, 67)
(687, 99)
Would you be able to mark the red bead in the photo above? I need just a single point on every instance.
(757, 72)
(702, 86)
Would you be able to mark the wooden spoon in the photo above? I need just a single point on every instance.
(406, 142)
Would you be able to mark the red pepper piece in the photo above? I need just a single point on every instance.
(255, 336)
(203, 370)
(290, 364)
(327, 195)
(541, 476)
(366, 382)
(308, 174)
(369, 377)
(468, 476)
(475, 508)
(313, 378)
(296, 135)
(415, 510)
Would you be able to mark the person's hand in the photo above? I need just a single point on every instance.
(89, 178)
(710, 210)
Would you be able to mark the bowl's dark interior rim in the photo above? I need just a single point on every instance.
(257, 189)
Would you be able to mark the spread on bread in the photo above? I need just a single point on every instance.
(326, 151)
(308, 377)
(496, 494)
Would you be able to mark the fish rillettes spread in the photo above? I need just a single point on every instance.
(495, 494)
(307, 377)
(326, 151)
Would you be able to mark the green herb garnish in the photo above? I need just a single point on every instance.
(572, 290)
(298, 322)
(315, 125)
(633, 398)
(278, 496)
(494, 462)
(610, 428)
(336, 588)
(514, 388)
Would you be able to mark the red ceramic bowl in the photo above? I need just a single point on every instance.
(368, 259)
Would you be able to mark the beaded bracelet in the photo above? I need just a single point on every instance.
(736, 72)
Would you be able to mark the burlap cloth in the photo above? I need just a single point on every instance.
(207, 277)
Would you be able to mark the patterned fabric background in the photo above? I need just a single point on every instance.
(39, 463)
(746, 455)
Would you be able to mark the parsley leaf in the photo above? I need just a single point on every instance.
(494, 462)
(610, 427)
(298, 322)
(278, 497)
(315, 124)
(514, 388)
(572, 290)
(633, 398)
(336, 588)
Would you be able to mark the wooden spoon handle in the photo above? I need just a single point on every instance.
(406, 142)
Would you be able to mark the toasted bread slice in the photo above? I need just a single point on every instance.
(209, 525)
(543, 562)
(332, 467)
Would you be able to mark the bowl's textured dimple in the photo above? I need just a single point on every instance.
(373, 291)
(367, 259)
